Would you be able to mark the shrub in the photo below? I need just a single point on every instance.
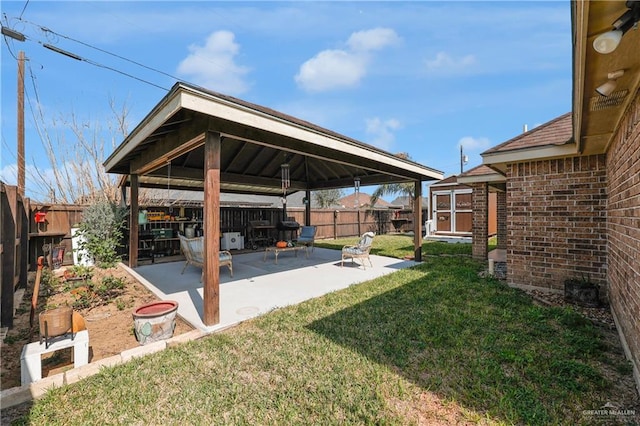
(101, 232)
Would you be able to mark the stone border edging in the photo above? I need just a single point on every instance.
(21, 394)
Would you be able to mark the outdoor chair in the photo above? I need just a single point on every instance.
(307, 236)
(193, 250)
(360, 250)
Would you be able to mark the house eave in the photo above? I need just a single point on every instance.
(499, 160)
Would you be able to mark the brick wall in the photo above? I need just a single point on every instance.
(480, 227)
(556, 221)
(623, 176)
(501, 207)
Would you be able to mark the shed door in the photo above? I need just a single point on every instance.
(442, 203)
(463, 212)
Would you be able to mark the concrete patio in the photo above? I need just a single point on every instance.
(260, 285)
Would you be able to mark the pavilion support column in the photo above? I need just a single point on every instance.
(211, 222)
(417, 222)
(480, 227)
(133, 223)
(307, 208)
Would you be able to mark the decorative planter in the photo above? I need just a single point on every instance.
(155, 321)
(54, 323)
(581, 292)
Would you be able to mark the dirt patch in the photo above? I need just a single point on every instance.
(110, 325)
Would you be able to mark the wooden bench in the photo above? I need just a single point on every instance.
(31, 357)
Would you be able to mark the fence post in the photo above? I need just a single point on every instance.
(9, 202)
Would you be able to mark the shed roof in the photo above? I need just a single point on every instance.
(167, 148)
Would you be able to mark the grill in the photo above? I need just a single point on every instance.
(288, 225)
(260, 233)
(288, 228)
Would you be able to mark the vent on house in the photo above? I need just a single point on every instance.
(598, 103)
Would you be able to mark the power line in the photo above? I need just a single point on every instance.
(78, 57)
(82, 58)
(24, 8)
(108, 53)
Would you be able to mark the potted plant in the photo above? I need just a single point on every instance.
(582, 291)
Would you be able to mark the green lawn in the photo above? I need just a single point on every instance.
(433, 343)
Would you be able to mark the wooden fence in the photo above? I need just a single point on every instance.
(329, 223)
(13, 248)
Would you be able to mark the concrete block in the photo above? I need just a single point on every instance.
(15, 396)
(31, 361)
(143, 350)
(41, 387)
(185, 337)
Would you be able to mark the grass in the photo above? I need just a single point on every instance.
(433, 343)
(400, 245)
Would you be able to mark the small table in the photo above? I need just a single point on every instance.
(277, 250)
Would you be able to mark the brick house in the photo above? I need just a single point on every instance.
(569, 190)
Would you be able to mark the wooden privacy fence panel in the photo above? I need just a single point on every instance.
(50, 224)
(13, 248)
(329, 223)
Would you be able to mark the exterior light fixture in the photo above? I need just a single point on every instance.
(609, 41)
(609, 86)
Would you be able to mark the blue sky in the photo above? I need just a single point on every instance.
(415, 77)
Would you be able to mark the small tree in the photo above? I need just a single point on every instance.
(101, 232)
(406, 189)
(327, 197)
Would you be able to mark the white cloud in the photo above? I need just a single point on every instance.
(474, 144)
(331, 69)
(375, 39)
(9, 174)
(213, 65)
(340, 68)
(445, 63)
(382, 131)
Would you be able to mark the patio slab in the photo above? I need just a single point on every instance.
(258, 285)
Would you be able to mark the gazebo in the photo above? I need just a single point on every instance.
(196, 139)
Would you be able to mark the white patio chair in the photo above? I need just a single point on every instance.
(360, 250)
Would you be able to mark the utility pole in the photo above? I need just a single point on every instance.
(463, 160)
(20, 113)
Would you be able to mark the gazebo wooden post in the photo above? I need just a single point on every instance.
(133, 223)
(417, 222)
(307, 207)
(211, 222)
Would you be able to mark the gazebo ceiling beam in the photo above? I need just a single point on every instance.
(285, 143)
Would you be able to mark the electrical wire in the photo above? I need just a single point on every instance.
(47, 30)
(84, 59)
(24, 8)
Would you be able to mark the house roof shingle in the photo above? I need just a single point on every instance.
(558, 131)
